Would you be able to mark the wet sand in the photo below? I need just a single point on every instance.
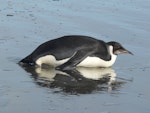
(120, 89)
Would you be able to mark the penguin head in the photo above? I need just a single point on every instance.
(118, 48)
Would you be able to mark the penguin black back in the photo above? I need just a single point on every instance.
(63, 47)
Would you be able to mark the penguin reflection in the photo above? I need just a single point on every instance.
(79, 81)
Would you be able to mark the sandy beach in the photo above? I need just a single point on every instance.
(26, 24)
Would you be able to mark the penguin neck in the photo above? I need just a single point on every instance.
(113, 56)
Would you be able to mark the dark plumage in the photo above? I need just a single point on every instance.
(69, 51)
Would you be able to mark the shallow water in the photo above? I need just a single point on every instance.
(120, 89)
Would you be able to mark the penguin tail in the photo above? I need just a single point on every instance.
(27, 61)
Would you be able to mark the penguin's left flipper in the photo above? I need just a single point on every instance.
(79, 56)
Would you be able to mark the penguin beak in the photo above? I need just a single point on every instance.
(123, 50)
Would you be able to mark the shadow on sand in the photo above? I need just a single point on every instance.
(77, 81)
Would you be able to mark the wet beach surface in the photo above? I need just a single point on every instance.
(124, 88)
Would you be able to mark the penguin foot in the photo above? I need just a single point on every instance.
(64, 68)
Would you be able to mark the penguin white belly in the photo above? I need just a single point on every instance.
(50, 60)
(97, 62)
(87, 62)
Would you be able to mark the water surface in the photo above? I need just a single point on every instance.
(120, 89)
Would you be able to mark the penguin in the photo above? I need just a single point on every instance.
(69, 52)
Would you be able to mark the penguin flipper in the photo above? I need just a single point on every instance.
(79, 56)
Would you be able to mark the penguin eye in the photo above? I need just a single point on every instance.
(118, 46)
